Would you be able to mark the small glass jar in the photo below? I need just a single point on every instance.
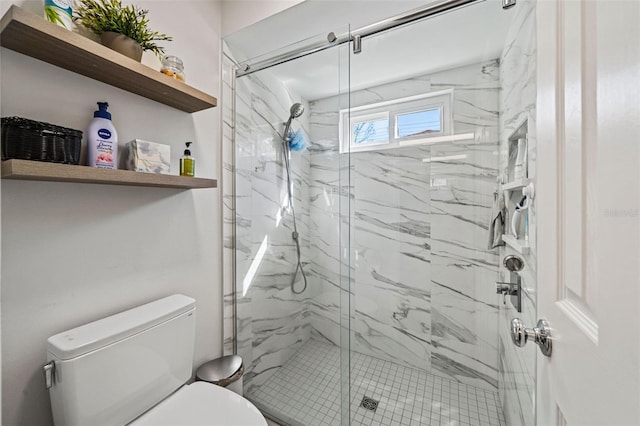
(173, 67)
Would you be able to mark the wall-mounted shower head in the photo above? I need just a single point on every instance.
(295, 111)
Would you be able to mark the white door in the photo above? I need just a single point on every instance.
(589, 211)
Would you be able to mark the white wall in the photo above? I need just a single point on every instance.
(239, 14)
(73, 253)
(308, 19)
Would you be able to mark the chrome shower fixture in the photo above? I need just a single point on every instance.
(513, 263)
(295, 111)
(508, 4)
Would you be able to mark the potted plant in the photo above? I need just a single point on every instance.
(124, 29)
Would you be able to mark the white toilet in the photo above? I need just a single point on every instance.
(131, 369)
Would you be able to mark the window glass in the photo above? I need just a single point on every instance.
(371, 131)
(419, 123)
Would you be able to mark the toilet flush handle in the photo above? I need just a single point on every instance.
(49, 374)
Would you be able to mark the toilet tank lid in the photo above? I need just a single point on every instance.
(89, 337)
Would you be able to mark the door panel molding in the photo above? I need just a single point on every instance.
(575, 117)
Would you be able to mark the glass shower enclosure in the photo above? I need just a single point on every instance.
(292, 248)
(365, 177)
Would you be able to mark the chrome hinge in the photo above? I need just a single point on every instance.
(49, 374)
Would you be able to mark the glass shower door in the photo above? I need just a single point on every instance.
(292, 224)
(435, 109)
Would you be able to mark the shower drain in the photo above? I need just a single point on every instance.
(369, 403)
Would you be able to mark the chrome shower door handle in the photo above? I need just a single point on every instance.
(541, 335)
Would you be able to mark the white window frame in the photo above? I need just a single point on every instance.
(441, 100)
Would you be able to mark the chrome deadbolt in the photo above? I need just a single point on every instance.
(541, 335)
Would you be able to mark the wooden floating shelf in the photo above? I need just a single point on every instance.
(34, 36)
(518, 245)
(53, 172)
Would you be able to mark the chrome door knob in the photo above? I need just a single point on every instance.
(541, 335)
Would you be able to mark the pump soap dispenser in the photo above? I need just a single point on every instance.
(187, 163)
(102, 140)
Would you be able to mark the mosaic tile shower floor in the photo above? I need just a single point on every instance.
(306, 392)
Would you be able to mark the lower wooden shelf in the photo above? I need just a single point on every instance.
(52, 172)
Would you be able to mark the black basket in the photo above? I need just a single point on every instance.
(34, 140)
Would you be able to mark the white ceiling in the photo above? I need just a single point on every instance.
(468, 35)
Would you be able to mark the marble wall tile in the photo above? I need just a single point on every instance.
(272, 322)
(463, 269)
(329, 201)
(393, 221)
(391, 245)
(518, 103)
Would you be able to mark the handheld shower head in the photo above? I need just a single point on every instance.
(295, 111)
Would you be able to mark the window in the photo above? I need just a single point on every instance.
(419, 123)
(388, 124)
(372, 129)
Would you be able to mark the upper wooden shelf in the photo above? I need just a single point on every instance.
(34, 36)
(52, 172)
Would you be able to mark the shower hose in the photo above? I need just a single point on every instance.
(294, 234)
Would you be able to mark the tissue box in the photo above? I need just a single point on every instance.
(148, 157)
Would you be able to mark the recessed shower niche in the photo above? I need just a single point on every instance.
(518, 190)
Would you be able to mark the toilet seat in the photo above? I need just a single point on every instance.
(202, 404)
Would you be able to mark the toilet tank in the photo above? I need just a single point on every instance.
(110, 371)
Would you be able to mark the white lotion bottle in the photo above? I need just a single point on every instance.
(102, 140)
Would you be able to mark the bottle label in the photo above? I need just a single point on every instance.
(62, 4)
(105, 158)
(59, 12)
(104, 133)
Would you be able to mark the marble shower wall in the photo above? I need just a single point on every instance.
(391, 307)
(464, 303)
(272, 322)
(329, 197)
(517, 385)
(423, 280)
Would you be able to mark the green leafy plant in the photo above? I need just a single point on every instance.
(110, 15)
(52, 15)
